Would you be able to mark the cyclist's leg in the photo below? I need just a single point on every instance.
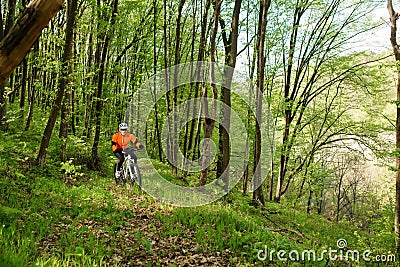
(118, 164)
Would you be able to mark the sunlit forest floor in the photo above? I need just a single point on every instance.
(65, 214)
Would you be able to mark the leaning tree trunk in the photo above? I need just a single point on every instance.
(393, 20)
(24, 33)
(69, 33)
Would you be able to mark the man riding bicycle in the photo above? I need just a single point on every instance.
(120, 141)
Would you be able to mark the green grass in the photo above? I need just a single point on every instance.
(53, 217)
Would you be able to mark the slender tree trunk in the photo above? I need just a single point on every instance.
(99, 101)
(65, 117)
(309, 202)
(65, 120)
(10, 15)
(158, 135)
(258, 194)
(339, 196)
(3, 97)
(3, 92)
(191, 91)
(231, 46)
(195, 137)
(396, 49)
(31, 88)
(169, 146)
(67, 103)
(209, 119)
(71, 11)
(288, 105)
(23, 87)
(88, 96)
(320, 202)
(175, 137)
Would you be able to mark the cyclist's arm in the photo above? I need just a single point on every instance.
(135, 141)
(114, 142)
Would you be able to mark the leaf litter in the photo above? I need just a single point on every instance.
(136, 239)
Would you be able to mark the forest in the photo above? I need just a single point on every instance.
(270, 132)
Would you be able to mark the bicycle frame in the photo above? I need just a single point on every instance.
(130, 169)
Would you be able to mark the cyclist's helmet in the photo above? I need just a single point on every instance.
(123, 126)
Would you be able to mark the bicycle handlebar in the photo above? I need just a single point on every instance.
(130, 151)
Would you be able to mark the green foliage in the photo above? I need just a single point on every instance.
(71, 169)
(9, 215)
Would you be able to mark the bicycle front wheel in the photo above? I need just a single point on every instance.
(135, 174)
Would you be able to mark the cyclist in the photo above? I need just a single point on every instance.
(120, 141)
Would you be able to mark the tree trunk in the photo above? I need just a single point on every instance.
(69, 33)
(158, 135)
(288, 106)
(88, 96)
(99, 101)
(175, 138)
(24, 33)
(23, 87)
(169, 146)
(32, 92)
(258, 194)
(393, 39)
(231, 46)
(194, 138)
(191, 91)
(209, 120)
(309, 202)
(3, 92)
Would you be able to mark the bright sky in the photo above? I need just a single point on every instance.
(380, 40)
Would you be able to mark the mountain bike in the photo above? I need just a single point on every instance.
(130, 170)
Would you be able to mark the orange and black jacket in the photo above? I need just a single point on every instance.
(121, 142)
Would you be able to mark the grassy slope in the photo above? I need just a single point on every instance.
(48, 218)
